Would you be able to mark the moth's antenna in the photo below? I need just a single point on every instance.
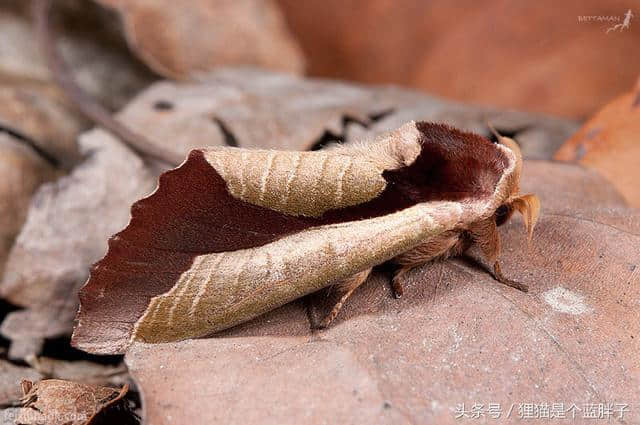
(83, 101)
(515, 148)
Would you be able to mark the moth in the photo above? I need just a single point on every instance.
(233, 233)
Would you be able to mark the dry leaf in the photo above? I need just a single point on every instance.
(22, 170)
(456, 336)
(534, 56)
(184, 40)
(57, 402)
(66, 230)
(610, 143)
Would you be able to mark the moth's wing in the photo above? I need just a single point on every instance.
(223, 289)
(190, 213)
(209, 260)
(297, 183)
(311, 184)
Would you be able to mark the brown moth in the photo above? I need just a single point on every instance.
(233, 233)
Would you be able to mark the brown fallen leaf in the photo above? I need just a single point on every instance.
(22, 170)
(199, 35)
(10, 377)
(58, 402)
(535, 56)
(68, 224)
(610, 143)
(455, 337)
(21, 57)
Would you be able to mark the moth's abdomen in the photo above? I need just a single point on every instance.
(297, 183)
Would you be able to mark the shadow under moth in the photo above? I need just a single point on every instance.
(233, 233)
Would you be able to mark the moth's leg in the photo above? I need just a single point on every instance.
(497, 274)
(346, 288)
(448, 244)
(485, 235)
(396, 282)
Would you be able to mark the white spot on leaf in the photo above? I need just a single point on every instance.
(565, 301)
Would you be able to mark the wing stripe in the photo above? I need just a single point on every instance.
(195, 268)
(346, 166)
(293, 174)
(242, 171)
(203, 284)
(266, 174)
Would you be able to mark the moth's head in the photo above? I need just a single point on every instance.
(529, 204)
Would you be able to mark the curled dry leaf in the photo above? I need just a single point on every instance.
(67, 227)
(185, 40)
(610, 143)
(58, 402)
(455, 337)
(22, 170)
